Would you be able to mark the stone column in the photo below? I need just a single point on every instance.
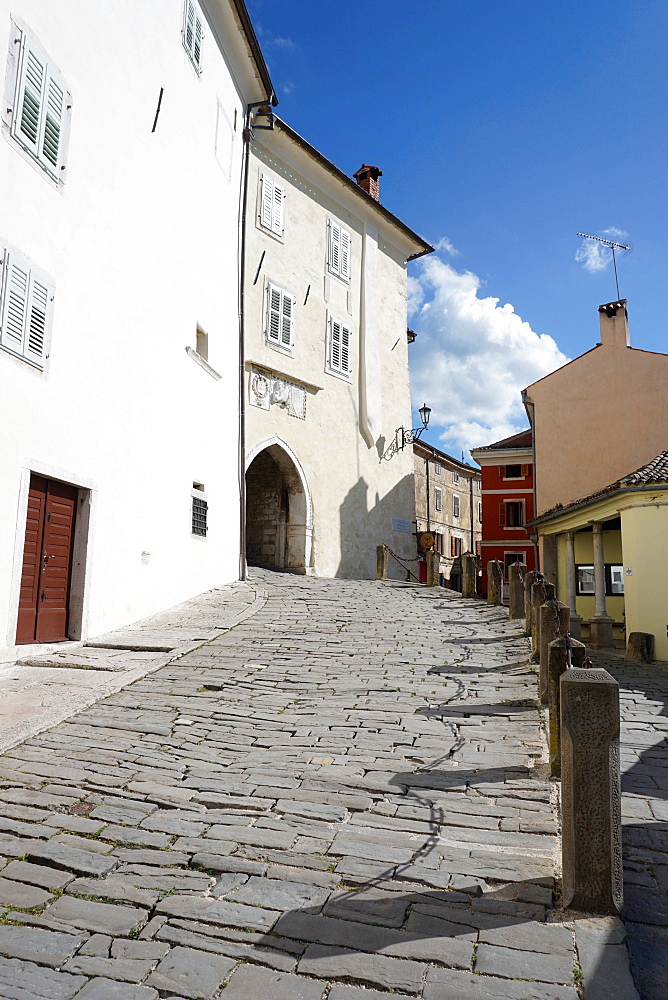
(433, 568)
(590, 791)
(529, 580)
(516, 575)
(576, 620)
(469, 575)
(494, 581)
(554, 618)
(382, 559)
(601, 622)
(540, 592)
(640, 647)
(557, 664)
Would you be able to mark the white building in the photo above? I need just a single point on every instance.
(327, 365)
(121, 168)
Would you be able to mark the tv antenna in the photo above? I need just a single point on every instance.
(613, 246)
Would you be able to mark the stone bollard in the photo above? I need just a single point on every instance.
(494, 581)
(516, 590)
(382, 559)
(469, 575)
(554, 621)
(540, 592)
(590, 792)
(433, 568)
(557, 664)
(530, 578)
(640, 648)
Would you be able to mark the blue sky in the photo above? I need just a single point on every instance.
(502, 129)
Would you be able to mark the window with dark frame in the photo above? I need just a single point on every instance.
(200, 509)
(511, 513)
(584, 580)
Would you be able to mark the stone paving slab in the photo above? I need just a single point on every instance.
(343, 795)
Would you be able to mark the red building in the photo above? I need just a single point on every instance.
(507, 501)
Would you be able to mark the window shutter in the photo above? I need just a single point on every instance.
(38, 304)
(335, 344)
(197, 45)
(502, 515)
(277, 213)
(334, 247)
(502, 471)
(455, 506)
(525, 470)
(266, 201)
(345, 254)
(14, 303)
(274, 315)
(53, 120)
(287, 319)
(30, 97)
(345, 350)
(452, 545)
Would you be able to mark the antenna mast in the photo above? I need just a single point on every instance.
(613, 246)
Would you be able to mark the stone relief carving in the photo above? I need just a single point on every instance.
(267, 390)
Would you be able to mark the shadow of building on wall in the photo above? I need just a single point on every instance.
(366, 521)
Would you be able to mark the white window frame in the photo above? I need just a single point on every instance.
(199, 493)
(275, 329)
(438, 498)
(26, 308)
(270, 205)
(37, 107)
(455, 476)
(343, 365)
(455, 505)
(437, 468)
(338, 250)
(193, 37)
(480, 511)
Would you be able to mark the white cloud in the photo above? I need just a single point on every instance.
(472, 357)
(595, 256)
(283, 43)
(444, 245)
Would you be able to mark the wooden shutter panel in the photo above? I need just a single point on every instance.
(502, 471)
(30, 97)
(345, 350)
(14, 303)
(335, 344)
(38, 305)
(334, 247)
(525, 470)
(274, 314)
(345, 254)
(266, 201)
(277, 213)
(287, 319)
(53, 121)
(502, 515)
(452, 545)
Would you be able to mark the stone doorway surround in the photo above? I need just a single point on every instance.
(279, 510)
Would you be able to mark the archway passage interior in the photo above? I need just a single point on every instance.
(277, 530)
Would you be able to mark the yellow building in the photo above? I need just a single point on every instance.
(611, 557)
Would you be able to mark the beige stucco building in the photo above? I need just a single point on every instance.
(611, 553)
(598, 416)
(448, 504)
(326, 365)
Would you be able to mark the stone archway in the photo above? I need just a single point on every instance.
(279, 525)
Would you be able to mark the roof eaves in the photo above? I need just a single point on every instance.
(256, 51)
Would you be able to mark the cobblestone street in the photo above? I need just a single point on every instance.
(341, 798)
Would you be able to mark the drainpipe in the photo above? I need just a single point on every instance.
(426, 462)
(531, 416)
(471, 514)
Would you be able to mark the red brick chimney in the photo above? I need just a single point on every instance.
(367, 178)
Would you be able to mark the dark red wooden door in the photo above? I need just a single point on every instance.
(47, 561)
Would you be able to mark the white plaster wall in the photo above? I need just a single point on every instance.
(142, 243)
(354, 494)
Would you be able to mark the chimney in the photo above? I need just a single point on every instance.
(367, 178)
(614, 321)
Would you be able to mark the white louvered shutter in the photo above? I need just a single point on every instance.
(15, 290)
(334, 248)
(30, 98)
(193, 33)
(345, 349)
(277, 210)
(266, 201)
(345, 254)
(274, 314)
(52, 124)
(36, 321)
(287, 319)
(335, 345)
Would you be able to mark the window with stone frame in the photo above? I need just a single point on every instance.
(438, 498)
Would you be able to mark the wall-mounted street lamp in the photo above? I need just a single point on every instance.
(402, 437)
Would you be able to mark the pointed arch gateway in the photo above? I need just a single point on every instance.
(279, 511)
